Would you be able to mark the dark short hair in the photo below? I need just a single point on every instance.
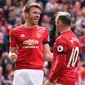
(30, 5)
(65, 19)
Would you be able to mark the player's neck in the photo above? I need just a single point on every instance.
(65, 29)
(28, 25)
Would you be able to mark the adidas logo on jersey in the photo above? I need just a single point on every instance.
(22, 35)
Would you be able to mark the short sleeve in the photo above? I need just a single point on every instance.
(46, 37)
(12, 39)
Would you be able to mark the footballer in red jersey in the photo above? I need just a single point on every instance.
(29, 41)
(65, 53)
(29, 47)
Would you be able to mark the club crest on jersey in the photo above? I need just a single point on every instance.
(38, 35)
(60, 48)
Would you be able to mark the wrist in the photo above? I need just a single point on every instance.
(11, 54)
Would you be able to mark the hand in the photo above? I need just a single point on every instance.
(12, 57)
(47, 82)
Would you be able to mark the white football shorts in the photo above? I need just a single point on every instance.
(28, 77)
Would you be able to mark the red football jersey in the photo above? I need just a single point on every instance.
(66, 53)
(30, 45)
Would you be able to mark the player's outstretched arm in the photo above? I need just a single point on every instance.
(46, 53)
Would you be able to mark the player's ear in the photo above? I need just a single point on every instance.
(26, 14)
(59, 22)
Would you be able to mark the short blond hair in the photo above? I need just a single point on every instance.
(31, 4)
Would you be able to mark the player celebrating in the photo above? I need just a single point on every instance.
(28, 45)
(65, 52)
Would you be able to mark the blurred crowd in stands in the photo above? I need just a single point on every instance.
(11, 15)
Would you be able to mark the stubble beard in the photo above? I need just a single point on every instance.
(35, 23)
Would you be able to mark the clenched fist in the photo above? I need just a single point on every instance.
(12, 56)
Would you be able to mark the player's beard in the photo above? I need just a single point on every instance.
(33, 21)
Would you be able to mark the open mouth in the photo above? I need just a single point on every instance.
(36, 19)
